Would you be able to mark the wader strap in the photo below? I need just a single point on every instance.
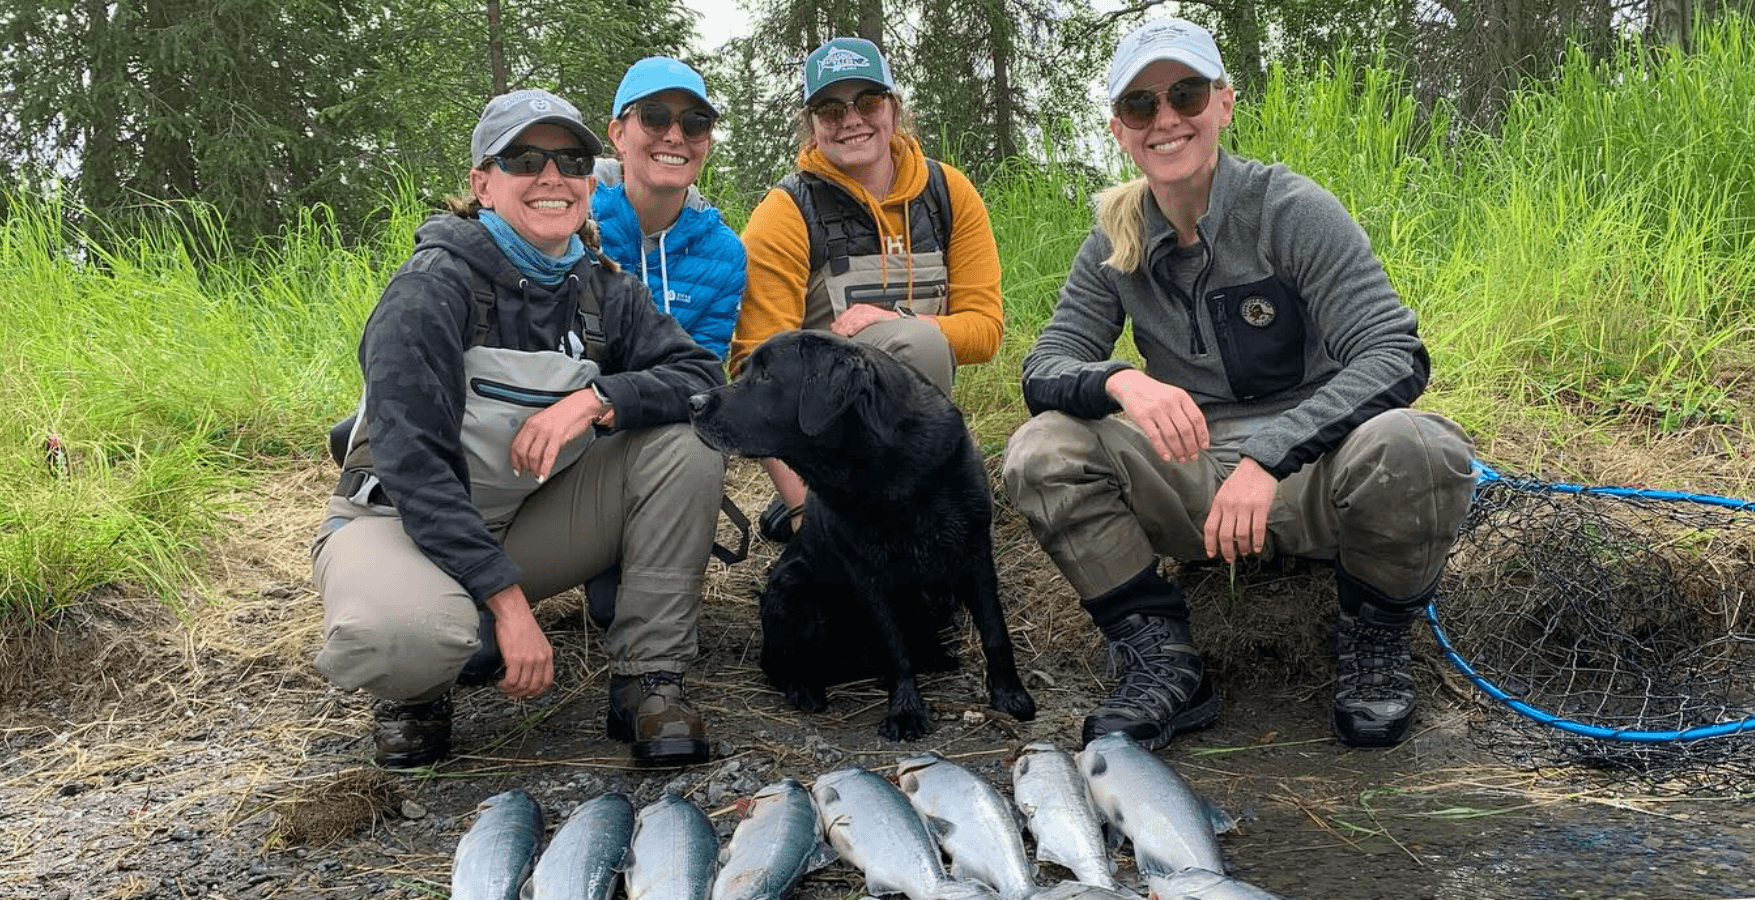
(740, 522)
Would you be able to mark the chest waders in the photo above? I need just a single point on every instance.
(847, 263)
(503, 388)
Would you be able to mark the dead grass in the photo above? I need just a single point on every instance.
(123, 695)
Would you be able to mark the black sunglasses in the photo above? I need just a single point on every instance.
(656, 117)
(1189, 97)
(834, 109)
(572, 162)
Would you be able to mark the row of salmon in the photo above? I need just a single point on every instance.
(897, 834)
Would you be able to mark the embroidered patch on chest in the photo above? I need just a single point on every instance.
(1258, 311)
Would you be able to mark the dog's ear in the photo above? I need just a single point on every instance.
(833, 382)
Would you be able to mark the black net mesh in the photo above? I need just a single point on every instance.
(1616, 611)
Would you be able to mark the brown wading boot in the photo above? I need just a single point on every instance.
(411, 735)
(652, 712)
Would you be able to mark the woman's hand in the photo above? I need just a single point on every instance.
(1237, 523)
(1166, 413)
(529, 658)
(858, 316)
(540, 439)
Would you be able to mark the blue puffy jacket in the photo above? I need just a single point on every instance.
(695, 271)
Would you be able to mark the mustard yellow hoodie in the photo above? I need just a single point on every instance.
(779, 256)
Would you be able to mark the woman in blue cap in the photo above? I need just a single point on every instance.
(523, 427)
(654, 222)
(1273, 416)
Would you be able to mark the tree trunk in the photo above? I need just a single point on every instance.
(497, 48)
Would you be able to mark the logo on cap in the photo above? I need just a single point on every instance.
(540, 105)
(841, 59)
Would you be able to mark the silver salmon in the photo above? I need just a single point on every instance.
(673, 852)
(494, 856)
(869, 822)
(973, 822)
(1050, 792)
(774, 847)
(1078, 890)
(1139, 794)
(584, 859)
(1200, 884)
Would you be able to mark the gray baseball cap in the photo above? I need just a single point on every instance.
(507, 115)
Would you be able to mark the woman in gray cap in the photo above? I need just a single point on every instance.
(1273, 416)
(523, 426)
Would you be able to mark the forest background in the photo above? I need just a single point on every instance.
(202, 200)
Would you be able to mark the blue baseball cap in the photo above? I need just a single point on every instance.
(655, 75)
(844, 59)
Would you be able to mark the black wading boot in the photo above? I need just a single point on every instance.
(653, 714)
(1374, 670)
(411, 735)
(1163, 690)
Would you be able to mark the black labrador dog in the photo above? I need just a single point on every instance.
(898, 531)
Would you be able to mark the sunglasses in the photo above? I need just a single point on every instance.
(833, 110)
(572, 162)
(1189, 97)
(656, 118)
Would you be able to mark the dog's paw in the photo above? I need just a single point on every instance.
(906, 725)
(808, 697)
(1014, 702)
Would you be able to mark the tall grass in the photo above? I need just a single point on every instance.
(1595, 258)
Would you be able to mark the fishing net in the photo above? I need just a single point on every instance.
(1612, 626)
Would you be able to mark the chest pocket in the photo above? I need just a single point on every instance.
(502, 389)
(917, 281)
(1262, 331)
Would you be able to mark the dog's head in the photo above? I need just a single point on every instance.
(799, 392)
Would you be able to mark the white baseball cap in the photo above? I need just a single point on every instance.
(1163, 38)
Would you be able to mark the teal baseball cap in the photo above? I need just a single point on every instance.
(655, 75)
(844, 59)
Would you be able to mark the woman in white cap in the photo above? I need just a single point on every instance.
(870, 239)
(1273, 415)
(653, 220)
(523, 427)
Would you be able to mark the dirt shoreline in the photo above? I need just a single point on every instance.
(152, 758)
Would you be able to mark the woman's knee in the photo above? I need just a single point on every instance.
(1043, 447)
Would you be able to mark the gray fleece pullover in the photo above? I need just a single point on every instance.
(1280, 324)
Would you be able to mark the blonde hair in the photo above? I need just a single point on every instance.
(1121, 214)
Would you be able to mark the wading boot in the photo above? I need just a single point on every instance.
(1163, 690)
(652, 713)
(411, 735)
(1374, 679)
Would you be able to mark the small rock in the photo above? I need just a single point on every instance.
(413, 810)
(74, 788)
(182, 833)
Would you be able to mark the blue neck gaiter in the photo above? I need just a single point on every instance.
(542, 268)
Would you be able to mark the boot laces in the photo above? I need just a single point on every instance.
(1374, 662)
(1157, 668)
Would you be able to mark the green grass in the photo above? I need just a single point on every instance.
(1594, 259)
